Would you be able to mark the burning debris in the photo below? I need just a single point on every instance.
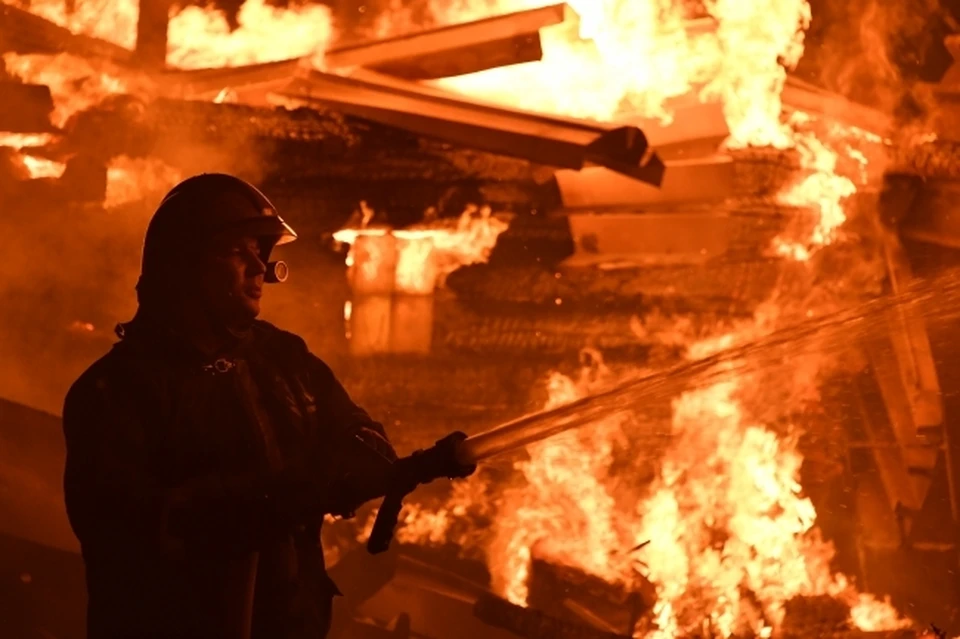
(706, 176)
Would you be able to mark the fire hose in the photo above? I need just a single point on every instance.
(456, 455)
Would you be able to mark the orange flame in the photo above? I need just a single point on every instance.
(76, 84)
(201, 38)
(428, 252)
(111, 20)
(727, 514)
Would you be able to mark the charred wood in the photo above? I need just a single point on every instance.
(937, 159)
(347, 158)
(572, 595)
(736, 287)
(533, 624)
(442, 115)
(25, 108)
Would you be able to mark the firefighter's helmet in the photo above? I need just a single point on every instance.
(202, 206)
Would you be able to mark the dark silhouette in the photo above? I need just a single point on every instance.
(205, 448)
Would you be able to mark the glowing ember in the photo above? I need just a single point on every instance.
(201, 38)
(129, 179)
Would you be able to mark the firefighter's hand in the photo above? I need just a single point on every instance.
(447, 449)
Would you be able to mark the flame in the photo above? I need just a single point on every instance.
(76, 84)
(20, 141)
(202, 38)
(627, 59)
(732, 536)
(111, 20)
(428, 252)
(39, 167)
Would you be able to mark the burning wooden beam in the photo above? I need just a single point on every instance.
(249, 84)
(436, 113)
(454, 50)
(802, 96)
(23, 32)
(695, 128)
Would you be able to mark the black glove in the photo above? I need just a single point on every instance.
(407, 473)
(441, 460)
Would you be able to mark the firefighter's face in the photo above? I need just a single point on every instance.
(233, 280)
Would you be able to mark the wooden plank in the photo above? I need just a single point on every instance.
(799, 95)
(649, 238)
(711, 178)
(456, 49)
(436, 113)
(250, 84)
(694, 129)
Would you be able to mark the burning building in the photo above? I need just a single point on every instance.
(510, 206)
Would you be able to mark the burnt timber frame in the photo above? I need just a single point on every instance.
(455, 49)
(432, 112)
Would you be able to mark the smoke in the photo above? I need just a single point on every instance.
(873, 51)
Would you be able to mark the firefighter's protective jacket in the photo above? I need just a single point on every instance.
(193, 484)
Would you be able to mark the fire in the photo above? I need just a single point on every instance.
(633, 59)
(42, 167)
(20, 141)
(201, 38)
(732, 537)
(426, 253)
(111, 20)
(623, 56)
(76, 84)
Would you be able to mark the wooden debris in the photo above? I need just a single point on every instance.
(814, 616)
(802, 96)
(24, 32)
(533, 624)
(575, 596)
(439, 114)
(454, 50)
(250, 85)
(710, 178)
(25, 108)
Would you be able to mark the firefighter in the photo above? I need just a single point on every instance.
(205, 447)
